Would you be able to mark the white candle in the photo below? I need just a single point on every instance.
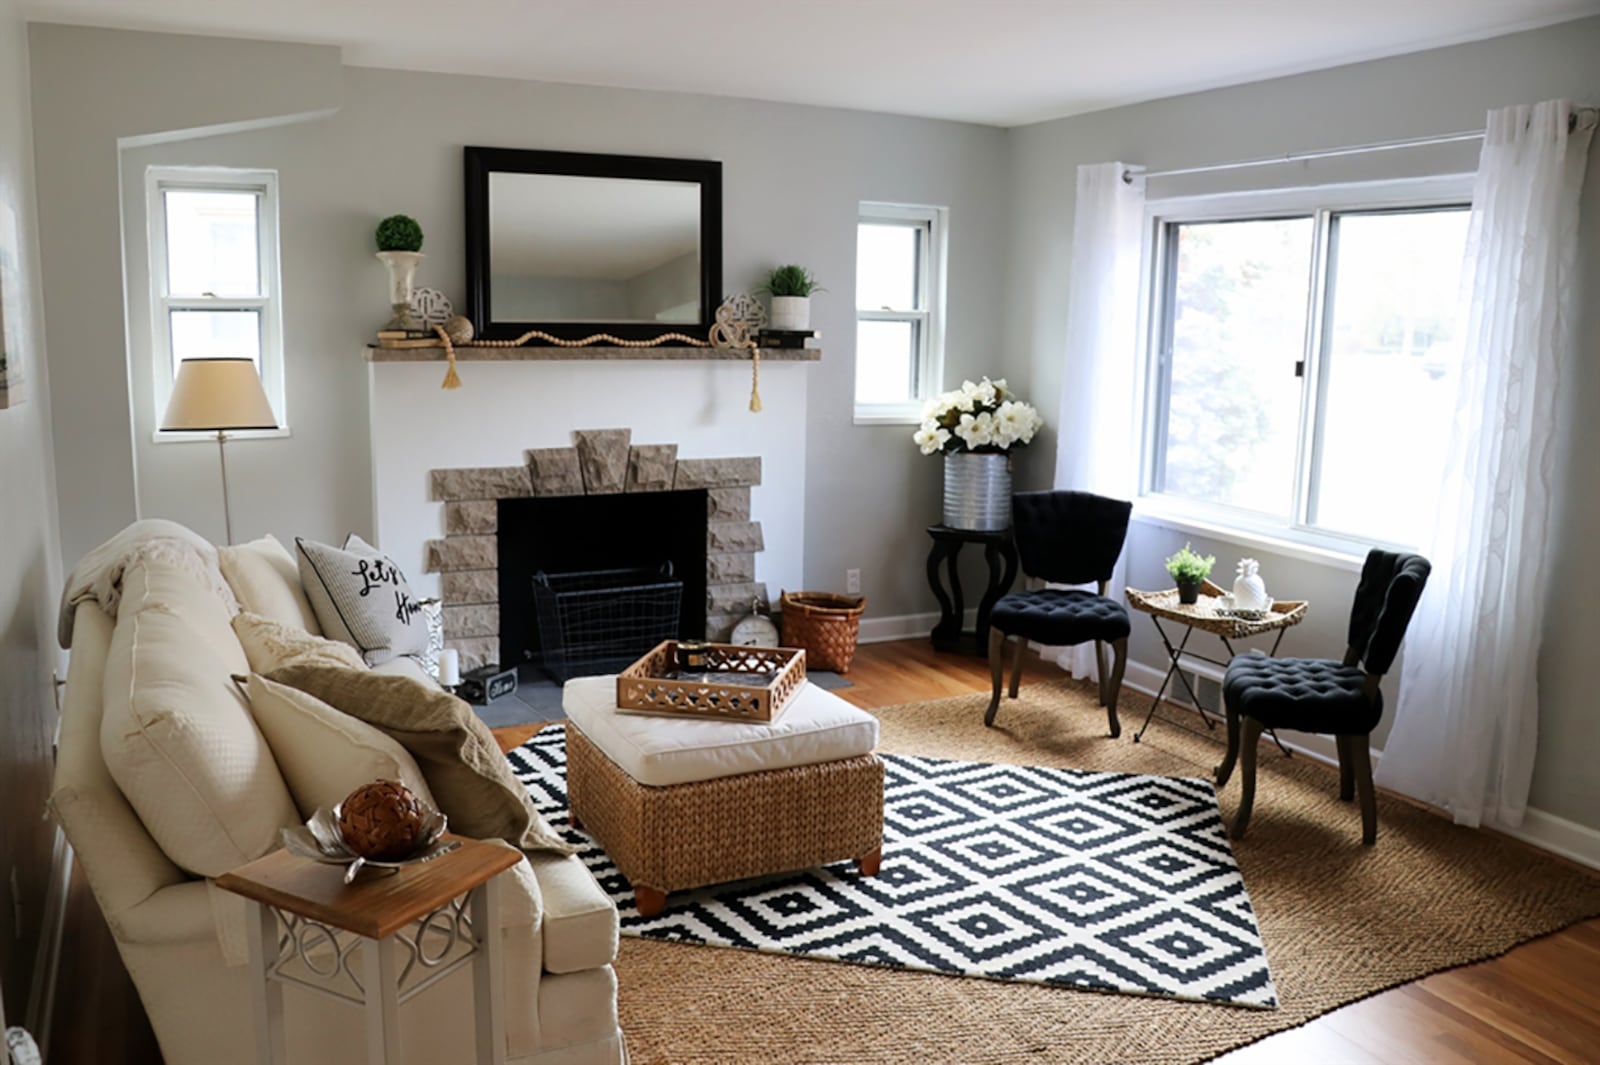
(449, 667)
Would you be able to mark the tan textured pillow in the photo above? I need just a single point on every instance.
(323, 753)
(266, 579)
(269, 645)
(456, 752)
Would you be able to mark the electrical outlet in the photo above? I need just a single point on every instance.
(852, 581)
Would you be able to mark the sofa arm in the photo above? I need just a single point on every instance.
(580, 920)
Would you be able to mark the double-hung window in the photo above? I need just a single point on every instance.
(1306, 354)
(899, 311)
(213, 238)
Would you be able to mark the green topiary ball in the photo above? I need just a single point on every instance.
(399, 232)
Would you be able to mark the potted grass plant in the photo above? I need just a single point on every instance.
(1190, 570)
(790, 288)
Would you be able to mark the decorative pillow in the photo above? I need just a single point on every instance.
(361, 597)
(325, 754)
(264, 577)
(177, 736)
(269, 645)
(456, 752)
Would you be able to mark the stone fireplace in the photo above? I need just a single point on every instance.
(600, 463)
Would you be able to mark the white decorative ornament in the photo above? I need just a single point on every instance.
(431, 307)
(1249, 591)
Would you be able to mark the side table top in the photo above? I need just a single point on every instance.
(1203, 614)
(948, 532)
(374, 906)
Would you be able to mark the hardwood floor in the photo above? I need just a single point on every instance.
(1539, 1003)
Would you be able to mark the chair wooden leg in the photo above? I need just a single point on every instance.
(1225, 770)
(1119, 651)
(1250, 736)
(1016, 665)
(1360, 758)
(1100, 669)
(997, 671)
(1347, 779)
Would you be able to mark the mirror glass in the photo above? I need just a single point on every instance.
(566, 248)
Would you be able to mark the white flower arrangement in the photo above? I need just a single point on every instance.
(984, 418)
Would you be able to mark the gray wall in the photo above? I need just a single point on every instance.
(1428, 93)
(394, 144)
(30, 565)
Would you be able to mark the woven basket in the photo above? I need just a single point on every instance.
(825, 625)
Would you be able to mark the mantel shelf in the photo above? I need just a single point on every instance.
(554, 354)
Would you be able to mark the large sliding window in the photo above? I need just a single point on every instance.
(1305, 359)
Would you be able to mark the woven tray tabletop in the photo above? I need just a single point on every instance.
(1203, 614)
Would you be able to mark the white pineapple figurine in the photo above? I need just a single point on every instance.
(1249, 591)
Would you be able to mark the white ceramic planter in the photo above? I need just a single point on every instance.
(402, 271)
(791, 313)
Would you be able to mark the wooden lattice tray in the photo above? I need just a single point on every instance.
(739, 684)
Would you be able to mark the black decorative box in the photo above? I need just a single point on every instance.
(486, 684)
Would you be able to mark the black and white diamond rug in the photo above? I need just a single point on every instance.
(1102, 881)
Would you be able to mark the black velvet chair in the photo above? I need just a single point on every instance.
(1338, 699)
(1066, 538)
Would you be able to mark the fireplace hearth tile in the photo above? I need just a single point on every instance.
(651, 467)
(469, 586)
(461, 552)
(728, 504)
(484, 482)
(471, 518)
(554, 471)
(478, 620)
(730, 569)
(603, 459)
(724, 537)
(718, 473)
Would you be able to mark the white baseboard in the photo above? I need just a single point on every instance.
(47, 962)
(906, 626)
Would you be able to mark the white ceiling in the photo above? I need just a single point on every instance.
(1003, 62)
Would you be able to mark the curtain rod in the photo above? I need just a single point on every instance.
(1329, 153)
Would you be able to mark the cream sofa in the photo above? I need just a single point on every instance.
(179, 936)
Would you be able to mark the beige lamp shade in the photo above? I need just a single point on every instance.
(212, 395)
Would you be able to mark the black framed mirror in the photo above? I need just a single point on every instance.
(574, 244)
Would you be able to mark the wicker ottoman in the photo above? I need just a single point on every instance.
(722, 801)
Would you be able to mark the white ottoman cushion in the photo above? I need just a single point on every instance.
(816, 727)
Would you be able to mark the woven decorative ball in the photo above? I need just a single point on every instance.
(459, 329)
(382, 821)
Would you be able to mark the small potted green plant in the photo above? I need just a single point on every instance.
(1189, 570)
(791, 287)
(399, 240)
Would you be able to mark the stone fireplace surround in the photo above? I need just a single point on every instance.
(600, 462)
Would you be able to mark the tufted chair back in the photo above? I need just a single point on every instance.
(1069, 537)
(1391, 584)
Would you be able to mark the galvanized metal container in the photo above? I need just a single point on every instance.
(977, 491)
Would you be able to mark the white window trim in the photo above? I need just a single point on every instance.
(1290, 537)
(269, 303)
(930, 359)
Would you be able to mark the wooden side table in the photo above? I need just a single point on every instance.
(445, 913)
(998, 549)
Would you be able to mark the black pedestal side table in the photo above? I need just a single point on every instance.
(1000, 552)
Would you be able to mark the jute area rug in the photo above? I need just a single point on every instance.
(1340, 922)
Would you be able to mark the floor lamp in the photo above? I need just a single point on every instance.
(215, 396)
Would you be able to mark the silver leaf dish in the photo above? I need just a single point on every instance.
(320, 840)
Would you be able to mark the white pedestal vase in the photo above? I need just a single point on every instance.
(977, 491)
(791, 313)
(402, 271)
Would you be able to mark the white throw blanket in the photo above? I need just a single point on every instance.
(98, 575)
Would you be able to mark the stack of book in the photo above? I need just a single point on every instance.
(408, 338)
(787, 338)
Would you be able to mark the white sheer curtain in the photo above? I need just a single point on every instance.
(1467, 722)
(1097, 444)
